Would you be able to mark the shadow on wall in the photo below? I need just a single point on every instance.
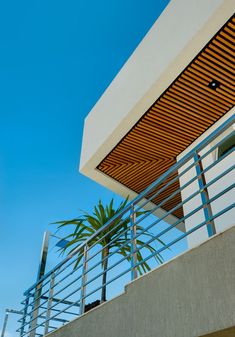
(230, 332)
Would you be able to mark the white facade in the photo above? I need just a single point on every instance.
(227, 219)
(179, 34)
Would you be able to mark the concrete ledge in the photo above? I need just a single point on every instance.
(190, 296)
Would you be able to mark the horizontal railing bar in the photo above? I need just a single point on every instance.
(79, 248)
(66, 312)
(154, 237)
(181, 175)
(186, 170)
(168, 245)
(162, 249)
(189, 214)
(186, 185)
(56, 283)
(187, 200)
(117, 221)
(54, 319)
(168, 229)
(184, 235)
(211, 200)
(160, 219)
(159, 205)
(107, 233)
(59, 302)
(174, 193)
(165, 247)
(59, 291)
(56, 300)
(136, 200)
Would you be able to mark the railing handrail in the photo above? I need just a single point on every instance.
(140, 196)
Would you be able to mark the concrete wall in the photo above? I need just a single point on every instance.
(227, 219)
(189, 296)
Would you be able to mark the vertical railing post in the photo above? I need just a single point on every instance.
(38, 288)
(4, 324)
(35, 312)
(49, 303)
(133, 244)
(204, 195)
(25, 311)
(83, 282)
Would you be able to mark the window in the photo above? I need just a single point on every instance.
(227, 145)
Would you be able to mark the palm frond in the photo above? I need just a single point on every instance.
(115, 237)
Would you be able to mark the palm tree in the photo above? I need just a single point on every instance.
(110, 239)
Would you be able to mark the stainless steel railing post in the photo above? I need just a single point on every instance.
(35, 312)
(5, 324)
(24, 315)
(84, 278)
(204, 195)
(49, 303)
(134, 274)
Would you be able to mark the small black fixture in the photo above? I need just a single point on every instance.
(214, 84)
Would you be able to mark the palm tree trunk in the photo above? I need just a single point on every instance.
(104, 277)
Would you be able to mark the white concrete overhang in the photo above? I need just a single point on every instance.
(178, 35)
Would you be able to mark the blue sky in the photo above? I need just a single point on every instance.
(56, 59)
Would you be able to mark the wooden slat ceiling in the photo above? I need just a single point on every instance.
(179, 116)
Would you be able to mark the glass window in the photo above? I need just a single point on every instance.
(227, 145)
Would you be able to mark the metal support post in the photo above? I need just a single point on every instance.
(5, 324)
(38, 290)
(84, 278)
(24, 315)
(7, 312)
(134, 274)
(204, 195)
(49, 303)
(43, 258)
(35, 313)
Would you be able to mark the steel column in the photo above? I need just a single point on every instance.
(5, 324)
(7, 312)
(84, 278)
(49, 303)
(24, 315)
(134, 274)
(38, 289)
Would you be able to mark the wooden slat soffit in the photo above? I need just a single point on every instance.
(179, 116)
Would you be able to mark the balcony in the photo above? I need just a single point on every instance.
(164, 134)
(187, 296)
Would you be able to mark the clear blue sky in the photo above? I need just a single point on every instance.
(56, 59)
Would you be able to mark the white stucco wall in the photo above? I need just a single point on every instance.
(227, 219)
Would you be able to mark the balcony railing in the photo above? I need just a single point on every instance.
(200, 185)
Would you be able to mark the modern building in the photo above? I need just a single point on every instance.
(175, 89)
(162, 134)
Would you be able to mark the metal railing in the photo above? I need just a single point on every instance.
(183, 207)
